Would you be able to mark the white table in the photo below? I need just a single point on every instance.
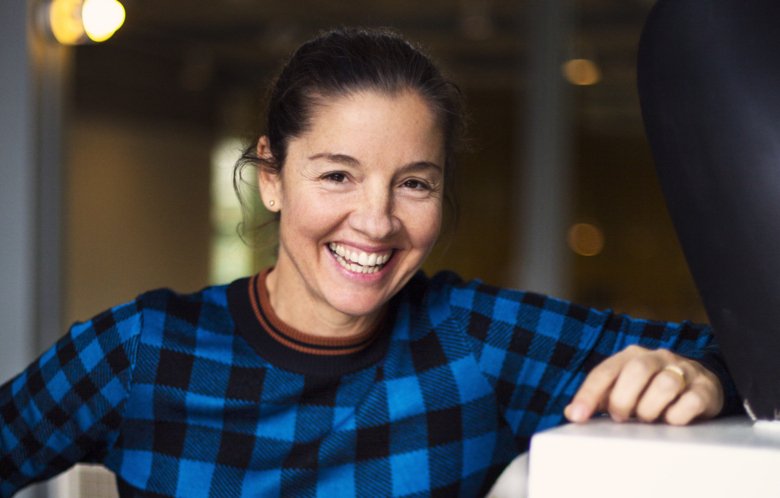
(720, 458)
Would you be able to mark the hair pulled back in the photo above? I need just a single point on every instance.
(348, 60)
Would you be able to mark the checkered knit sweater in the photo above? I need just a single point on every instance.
(200, 395)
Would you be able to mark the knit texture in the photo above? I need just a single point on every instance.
(177, 396)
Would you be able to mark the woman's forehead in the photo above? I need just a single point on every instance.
(373, 115)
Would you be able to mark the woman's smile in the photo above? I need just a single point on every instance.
(357, 261)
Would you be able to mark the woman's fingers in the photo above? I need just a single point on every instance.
(593, 393)
(630, 387)
(702, 399)
(650, 385)
(666, 386)
(690, 405)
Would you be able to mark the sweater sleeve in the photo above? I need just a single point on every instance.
(536, 350)
(66, 407)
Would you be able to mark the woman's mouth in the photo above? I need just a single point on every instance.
(358, 261)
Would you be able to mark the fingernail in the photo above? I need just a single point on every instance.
(577, 412)
(617, 418)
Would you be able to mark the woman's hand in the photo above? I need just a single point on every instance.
(650, 385)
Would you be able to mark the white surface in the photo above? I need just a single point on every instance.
(716, 459)
(84, 481)
(513, 481)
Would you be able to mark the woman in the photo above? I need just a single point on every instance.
(343, 370)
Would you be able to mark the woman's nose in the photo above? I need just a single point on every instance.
(374, 215)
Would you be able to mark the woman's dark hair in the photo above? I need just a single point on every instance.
(348, 60)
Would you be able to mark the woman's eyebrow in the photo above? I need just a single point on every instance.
(336, 158)
(351, 161)
(421, 165)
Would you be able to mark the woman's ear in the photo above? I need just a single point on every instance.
(269, 179)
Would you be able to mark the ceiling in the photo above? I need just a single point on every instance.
(180, 56)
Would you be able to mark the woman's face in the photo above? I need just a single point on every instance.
(360, 196)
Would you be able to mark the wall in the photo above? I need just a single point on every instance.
(137, 210)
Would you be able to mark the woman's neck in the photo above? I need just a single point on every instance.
(311, 316)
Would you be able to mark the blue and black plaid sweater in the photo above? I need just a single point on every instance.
(188, 396)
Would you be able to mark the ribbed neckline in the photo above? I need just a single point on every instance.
(292, 349)
(296, 339)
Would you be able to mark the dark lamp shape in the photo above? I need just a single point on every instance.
(709, 85)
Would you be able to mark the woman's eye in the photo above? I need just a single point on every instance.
(335, 177)
(416, 184)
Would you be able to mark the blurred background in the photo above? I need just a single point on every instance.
(117, 156)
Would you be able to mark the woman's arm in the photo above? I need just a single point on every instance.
(538, 352)
(66, 406)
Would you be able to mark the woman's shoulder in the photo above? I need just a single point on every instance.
(167, 299)
(465, 291)
(459, 295)
(194, 307)
(433, 289)
(448, 294)
(153, 312)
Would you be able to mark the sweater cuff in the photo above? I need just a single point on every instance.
(712, 360)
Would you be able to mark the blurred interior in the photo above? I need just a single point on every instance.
(148, 110)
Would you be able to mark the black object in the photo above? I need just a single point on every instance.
(709, 85)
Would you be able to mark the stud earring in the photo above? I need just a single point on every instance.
(272, 203)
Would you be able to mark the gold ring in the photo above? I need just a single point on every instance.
(677, 370)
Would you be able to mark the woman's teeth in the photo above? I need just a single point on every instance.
(359, 261)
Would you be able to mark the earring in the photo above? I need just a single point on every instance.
(272, 203)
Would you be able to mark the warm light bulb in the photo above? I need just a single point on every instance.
(102, 18)
(65, 21)
(582, 72)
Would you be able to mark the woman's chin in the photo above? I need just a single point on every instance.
(358, 307)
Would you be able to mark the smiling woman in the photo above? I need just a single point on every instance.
(343, 370)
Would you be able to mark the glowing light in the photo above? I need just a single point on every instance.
(65, 21)
(586, 239)
(581, 72)
(102, 18)
(72, 22)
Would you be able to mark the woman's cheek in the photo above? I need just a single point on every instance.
(423, 223)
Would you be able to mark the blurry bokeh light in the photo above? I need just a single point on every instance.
(72, 22)
(581, 72)
(64, 21)
(102, 18)
(585, 239)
